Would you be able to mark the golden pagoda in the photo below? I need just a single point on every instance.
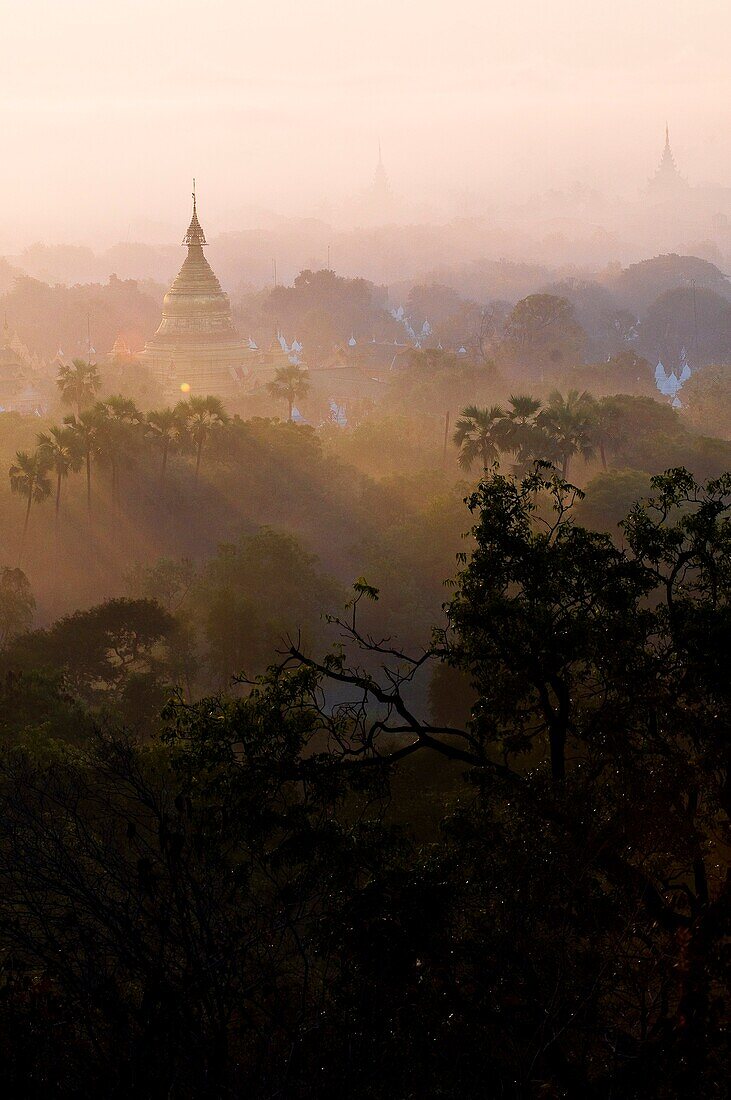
(196, 348)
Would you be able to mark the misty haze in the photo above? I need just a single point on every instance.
(365, 583)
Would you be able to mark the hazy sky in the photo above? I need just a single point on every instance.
(107, 109)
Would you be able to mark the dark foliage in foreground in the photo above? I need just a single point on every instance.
(282, 896)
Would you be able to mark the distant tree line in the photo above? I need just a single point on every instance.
(527, 430)
(110, 432)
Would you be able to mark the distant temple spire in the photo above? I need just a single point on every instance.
(667, 180)
(381, 189)
(195, 235)
(668, 160)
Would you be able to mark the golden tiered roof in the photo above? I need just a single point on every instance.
(195, 309)
(196, 348)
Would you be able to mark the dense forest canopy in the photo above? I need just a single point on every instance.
(381, 755)
(513, 881)
(365, 550)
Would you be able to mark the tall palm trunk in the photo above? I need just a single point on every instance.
(57, 533)
(25, 524)
(165, 448)
(88, 482)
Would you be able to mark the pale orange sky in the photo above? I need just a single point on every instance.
(107, 109)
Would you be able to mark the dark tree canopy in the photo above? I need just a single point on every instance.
(315, 888)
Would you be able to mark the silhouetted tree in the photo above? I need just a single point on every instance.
(478, 434)
(79, 384)
(312, 889)
(201, 415)
(118, 433)
(163, 426)
(86, 431)
(29, 478)
(568, 423)
(290, 384)
(62, 448)
(597, 733)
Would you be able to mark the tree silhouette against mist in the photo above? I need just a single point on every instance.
(163, 428)
(64, 455)
(569, 424)
(79, 384)
(290, 384)
(521, 435)
(119, 419)
(29, 479)
(200, 416)
(479, 434)
(86, 430)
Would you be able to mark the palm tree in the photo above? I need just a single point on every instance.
(79, 383)
(86, 430)
(520, 433)
(605, 428)
(118, 419)
(200, 415)
(164, 425)
(523, 409)
(568, 424)
(28, 477)
(290, 384)
(479, 433)
(64, 456)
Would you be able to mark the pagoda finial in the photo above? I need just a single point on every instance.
(195, 234)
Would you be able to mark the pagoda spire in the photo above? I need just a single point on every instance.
(195, 235)
(667, 180)
(667, 162)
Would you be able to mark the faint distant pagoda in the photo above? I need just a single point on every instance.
(196, 345)
(381, 194)
(667, 183)
(377, 205)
